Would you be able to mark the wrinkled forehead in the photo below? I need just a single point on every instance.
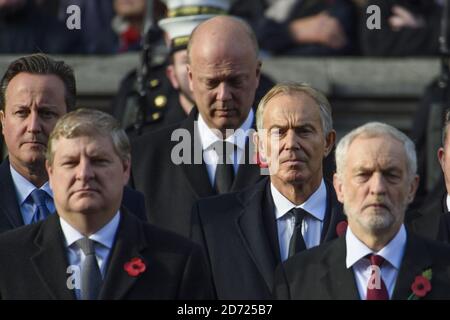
(376, 152)
(83, 143)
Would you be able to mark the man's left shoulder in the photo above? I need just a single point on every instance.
(438, 250)
(163, 240)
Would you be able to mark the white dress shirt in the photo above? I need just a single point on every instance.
(103, 242)
(312, 225)
(392, 253)
(208, 138)
(447, 202)
(23, 190)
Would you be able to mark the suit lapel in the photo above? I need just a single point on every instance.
(50, 260)
(129, 242)
(425, 220)
(196, 173)
(251, 227)
(416, 259)
(334, 214)
(8, 198)
(338, 281)
(247, 171)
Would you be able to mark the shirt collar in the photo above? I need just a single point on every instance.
(25, 187)
(314, 205)
(392, 252)
(239, 138)
(105, 236)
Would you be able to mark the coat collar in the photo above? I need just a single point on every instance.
(251, 227)
(8, 199)
(50, 260)
(196, 172)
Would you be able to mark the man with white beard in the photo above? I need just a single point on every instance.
(377, 259)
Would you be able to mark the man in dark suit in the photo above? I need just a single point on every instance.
(432, 219)
(93, 248)
(251, 231)
(34, 93)
(377, 259)
(223, 78)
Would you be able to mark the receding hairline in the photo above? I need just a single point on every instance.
(236, 22)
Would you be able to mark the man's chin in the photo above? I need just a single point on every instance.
(86, 205)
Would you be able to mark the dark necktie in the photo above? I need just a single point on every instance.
(91, 278)
(376, 290)
(297, 242)
(41, 211)
(224, 176)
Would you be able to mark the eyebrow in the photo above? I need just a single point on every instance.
(303, 125)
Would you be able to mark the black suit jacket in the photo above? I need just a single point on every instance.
(321, 273)
(171, 189)
(239, 234)
(432, 219)
(10, 216)
(34, 263)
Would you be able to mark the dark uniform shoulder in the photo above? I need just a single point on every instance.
(127, 103)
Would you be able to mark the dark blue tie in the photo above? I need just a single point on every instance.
(41, 211)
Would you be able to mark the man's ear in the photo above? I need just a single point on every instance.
(126, 171)
(170, 74)
(413, 188)
(338, 187)
(2, 118)
(189, 72)
(441, 156)
(259, 144)
(330, 140)
(49, 169)
(258, 73)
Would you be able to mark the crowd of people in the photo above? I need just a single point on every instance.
(282, 27)
(243, 195)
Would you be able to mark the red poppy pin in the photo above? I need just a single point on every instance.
(421, 285)
(341, 228)
(134, 267)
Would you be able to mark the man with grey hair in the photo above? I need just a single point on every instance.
(377, 259)
(93, 248)
(292, 210)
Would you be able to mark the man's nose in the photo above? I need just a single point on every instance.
(85, 170)
(291, 140)
(377, 184)
(223, 93)
(34, 124)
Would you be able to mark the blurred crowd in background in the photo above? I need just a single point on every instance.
(283, 27)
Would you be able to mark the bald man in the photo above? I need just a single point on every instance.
(217, 157)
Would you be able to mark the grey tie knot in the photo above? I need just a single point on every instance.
(91, 278)
(223, 149)
(86, 245)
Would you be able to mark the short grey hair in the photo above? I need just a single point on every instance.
(87, 123)
(290, 88)
(376, 129)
